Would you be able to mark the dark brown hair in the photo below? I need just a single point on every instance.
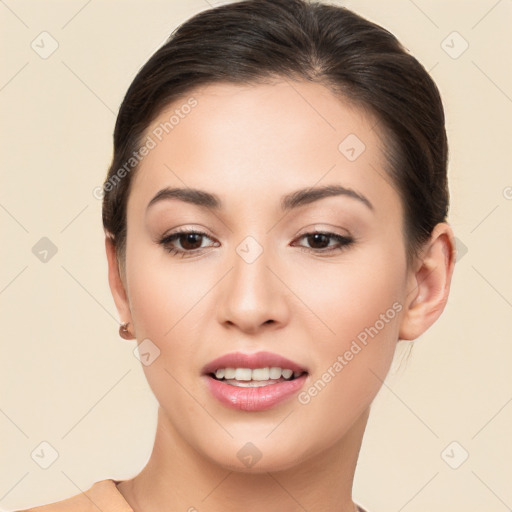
(255, 41)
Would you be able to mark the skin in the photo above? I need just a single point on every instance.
(251, 145)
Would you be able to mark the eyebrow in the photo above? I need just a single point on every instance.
(290, 201)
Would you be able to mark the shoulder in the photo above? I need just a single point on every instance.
(102, 495)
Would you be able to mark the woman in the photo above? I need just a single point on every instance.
(275, 220)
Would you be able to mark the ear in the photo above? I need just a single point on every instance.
(116, 283)
(429, 283)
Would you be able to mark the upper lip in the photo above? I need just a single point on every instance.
(256, 360)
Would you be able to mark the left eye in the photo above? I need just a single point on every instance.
(322, 240)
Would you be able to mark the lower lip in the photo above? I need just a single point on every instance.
(254, 399)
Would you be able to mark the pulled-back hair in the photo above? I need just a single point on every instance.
(256, 41)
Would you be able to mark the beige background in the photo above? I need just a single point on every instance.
(68, 379)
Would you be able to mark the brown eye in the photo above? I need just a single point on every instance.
(320, 242)
(189, 241)
(183, 242)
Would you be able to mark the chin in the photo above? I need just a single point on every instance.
(258, 457)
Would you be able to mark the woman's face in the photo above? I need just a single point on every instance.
(257, 279)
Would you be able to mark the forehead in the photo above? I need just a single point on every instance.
(243, 140)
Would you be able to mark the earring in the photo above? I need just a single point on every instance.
(124, 332)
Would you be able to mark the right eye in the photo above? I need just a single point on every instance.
(190, 241)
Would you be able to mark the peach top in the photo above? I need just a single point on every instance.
(103, 495)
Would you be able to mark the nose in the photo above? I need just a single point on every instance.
(251, 297)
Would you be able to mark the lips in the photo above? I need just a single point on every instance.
(253, 382)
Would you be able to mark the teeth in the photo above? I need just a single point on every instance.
(287, 373)
(229, 373)
(260, 374)
(243, 374)
(256, 374)
(275, 373)
(251, 384)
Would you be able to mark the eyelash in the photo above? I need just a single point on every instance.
(343, 241)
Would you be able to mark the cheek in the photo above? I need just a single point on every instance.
(343, 298)
(358, 306)
(162, 292)
(165, 301)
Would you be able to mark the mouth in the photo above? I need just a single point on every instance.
(253, 382)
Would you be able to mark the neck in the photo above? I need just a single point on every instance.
(177, 477)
